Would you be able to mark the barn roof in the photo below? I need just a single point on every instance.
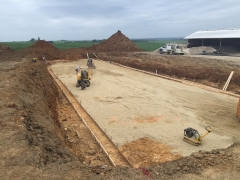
(215, 34)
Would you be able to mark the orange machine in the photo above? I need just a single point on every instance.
(238, 109)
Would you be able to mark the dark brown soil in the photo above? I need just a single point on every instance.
(117, 42)
(4, 47)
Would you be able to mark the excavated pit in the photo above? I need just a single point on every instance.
(39, 127)
(151, 133)
(38, 136)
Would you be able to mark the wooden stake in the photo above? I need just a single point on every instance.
(228, 81)
(95, 55)
(78, 135)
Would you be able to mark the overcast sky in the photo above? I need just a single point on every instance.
(22, 20)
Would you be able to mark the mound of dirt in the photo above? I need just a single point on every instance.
(117, 42)
(42, 45)
(4, 47)
(43, 49)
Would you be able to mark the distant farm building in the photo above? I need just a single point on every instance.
(227, 37)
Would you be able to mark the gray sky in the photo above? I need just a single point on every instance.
(22, 20)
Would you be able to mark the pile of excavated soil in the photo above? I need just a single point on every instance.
(117, 42)
(42, 49)
(4, 47)
(40, 45)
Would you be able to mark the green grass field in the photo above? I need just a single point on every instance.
(18, 45)
(69, 44)
(144, 45)
(153, 45)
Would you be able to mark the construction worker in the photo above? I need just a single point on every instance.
(89, 62)
(77, 69)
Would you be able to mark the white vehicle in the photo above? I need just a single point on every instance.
(179, 50)
(165, 49)
(174, 49)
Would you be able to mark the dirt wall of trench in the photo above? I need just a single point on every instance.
(33, 102)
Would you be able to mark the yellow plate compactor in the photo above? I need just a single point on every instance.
(192, 136)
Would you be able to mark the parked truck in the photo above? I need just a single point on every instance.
(174, 49)
(165, 49)
(180, 50)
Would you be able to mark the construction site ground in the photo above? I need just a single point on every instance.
(39, 127)
(43, 137)
(132, 106)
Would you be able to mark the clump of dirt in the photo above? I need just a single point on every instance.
(145, 152)
(117, 42)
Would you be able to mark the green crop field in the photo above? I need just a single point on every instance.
(18, 45)
(142, 44)
(149, 46)
(57, 44)
(153, 45)
(72, 44)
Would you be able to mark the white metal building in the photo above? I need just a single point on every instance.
(225, 37)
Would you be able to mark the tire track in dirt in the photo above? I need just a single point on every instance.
(115, 156)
